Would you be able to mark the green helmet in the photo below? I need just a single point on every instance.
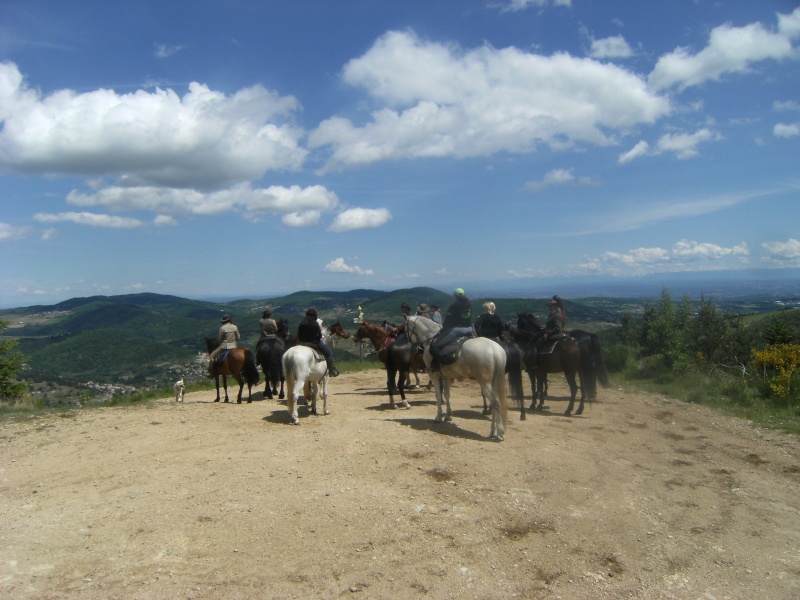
(458, 292)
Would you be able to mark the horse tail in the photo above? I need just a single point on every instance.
(250, 368)
(599, 363)
(586, 369)
(499, 387)
(514, 368)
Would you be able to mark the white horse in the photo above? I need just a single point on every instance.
(480, 358)
(303, 365)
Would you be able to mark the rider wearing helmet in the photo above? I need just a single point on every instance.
(457, 323)
(554, 325)
(310, 332)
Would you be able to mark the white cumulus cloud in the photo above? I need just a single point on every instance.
(338, 265)
(204, 139)
(611, 47)
(439, 100)
(788, 251)
(360, 218)
(640, 149)
(729, 50)
(786, 130)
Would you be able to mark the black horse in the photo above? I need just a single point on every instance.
(269, 353)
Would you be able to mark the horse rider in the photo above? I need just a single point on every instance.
(457, 323)
(269, 328)
(436, 314)
(228, 337)
(554, 326)
(489, 324)
(422, 311)
(310, 332)
(560, 303)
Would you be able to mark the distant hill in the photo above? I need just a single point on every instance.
(149, 338)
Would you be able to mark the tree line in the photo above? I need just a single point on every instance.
(674, 339)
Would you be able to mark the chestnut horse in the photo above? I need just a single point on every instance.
(396, 354)
(238, 362)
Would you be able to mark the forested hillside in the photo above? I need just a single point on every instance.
(150, 339)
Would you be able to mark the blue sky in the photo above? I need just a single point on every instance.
(250, 149)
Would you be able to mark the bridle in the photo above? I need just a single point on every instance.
(412, 332)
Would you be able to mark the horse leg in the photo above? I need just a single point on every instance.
(216, 378)
(281, 395)
(438, 383)
(390, 386)
(541, 381)
(497, 430)
(324, 391)
(583, 397)
(293, 399)
(486, 409)
(402, 380)
(240, 381)
(225, 385)
(446, 396)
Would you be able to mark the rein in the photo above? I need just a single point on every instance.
(419, 338)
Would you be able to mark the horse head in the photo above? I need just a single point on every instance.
(528, 322)
(337, 329)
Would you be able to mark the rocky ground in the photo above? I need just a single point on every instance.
(641, 497)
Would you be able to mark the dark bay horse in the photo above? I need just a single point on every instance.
(269, 352)
(238, 362)
(590, 348)
(396, 353)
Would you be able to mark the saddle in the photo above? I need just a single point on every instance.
(448, 353)
(551, 342)
(220, 358)
(318, 356)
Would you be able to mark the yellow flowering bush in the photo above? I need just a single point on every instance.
(780, 365)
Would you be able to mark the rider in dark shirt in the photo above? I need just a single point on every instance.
(489, 324)
(310, 332)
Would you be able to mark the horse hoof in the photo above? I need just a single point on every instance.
(522, 417)
(327, 412)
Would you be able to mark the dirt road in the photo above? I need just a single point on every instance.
(641, 497)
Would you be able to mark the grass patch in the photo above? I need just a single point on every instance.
(729, 395)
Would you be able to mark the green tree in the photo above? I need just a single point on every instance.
(665, 331)
(10, 364)
(779, 331)
(711, 334)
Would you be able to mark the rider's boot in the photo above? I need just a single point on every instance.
(331, 369)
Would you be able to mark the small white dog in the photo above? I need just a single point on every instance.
(179, 390)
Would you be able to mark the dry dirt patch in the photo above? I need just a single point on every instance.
(641, 497)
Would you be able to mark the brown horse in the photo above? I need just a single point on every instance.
(561, 356)
(396, 353)
(238, 362)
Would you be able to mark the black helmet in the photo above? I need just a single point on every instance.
(311, 312)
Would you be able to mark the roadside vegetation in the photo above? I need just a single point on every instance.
(749, 368)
